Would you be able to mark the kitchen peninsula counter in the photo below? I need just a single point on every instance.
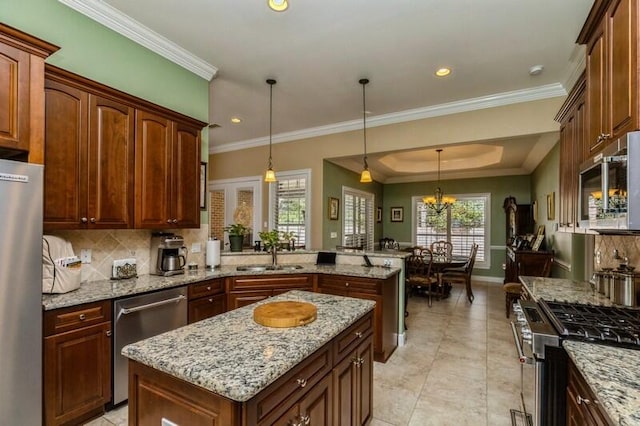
(613, 377)
(223, 367)
(559, 289)
(94, 291)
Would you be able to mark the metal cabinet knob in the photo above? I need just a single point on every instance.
(210, 300)
(358, 334)
(84, 220)
(108, 333)
(306, 420)
(581, 400)
(168, 220)
(346, 284)
(175, 221)
(82, 317)
(209, 288)
(302, 382)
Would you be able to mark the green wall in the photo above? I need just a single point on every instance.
(94, 51)
(334, 177)
(569, 248)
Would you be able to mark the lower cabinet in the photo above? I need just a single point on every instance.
(77, 363)
(384, 293)
(583, 408)
(245, 290)
(333, 386)
(206, 299)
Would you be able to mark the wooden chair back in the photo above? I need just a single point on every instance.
(442, 248)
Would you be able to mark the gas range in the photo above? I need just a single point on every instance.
(609, 325)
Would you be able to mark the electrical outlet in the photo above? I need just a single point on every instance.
(85, 255)
(196, 248)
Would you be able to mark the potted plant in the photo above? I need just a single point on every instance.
(237, 232)
(270, 239)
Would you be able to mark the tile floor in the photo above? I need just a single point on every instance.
(458, 366)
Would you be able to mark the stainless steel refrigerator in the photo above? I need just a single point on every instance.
(20, 293)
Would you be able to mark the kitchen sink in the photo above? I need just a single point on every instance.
(260, 268)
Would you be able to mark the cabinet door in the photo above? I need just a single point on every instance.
(206, 307)
(596, 90)
(14, 98)
(186, 177)
(153, 154)
(622, 43)
(110, 164)
(364, 380)
(77, 373)
(65, 190)
(344, 391)
(316, 406)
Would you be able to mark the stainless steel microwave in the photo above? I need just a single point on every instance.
(609, 188)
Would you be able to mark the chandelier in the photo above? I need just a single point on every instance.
(438, 202)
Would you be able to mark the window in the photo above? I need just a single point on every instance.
(289, 199)
(464, 223)
(357, 218)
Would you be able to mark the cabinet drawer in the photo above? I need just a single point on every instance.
(66, 319)
(206, 288)
(349, 339)
(284, 282)
(281, 394)
(206, 307)
(361, 285)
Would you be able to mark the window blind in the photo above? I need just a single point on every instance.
(357, 219)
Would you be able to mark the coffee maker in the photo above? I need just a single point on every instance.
(168, 254)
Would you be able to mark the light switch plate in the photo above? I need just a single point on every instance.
(334, 235)
(85, 255)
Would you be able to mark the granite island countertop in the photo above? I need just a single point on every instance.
(235, 357)
(563, 290)
(95, 291)
(614, 377)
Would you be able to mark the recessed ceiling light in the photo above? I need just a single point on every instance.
(536, 70)
(278, 5)
(443, 72)
(236, 120)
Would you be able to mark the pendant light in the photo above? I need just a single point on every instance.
(365, 176)
(270, 175)
(439, 202)
(278, 5)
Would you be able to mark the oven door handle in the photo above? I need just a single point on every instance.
(521, 356)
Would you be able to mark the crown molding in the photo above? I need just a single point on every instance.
(117, 21)
(473, 104)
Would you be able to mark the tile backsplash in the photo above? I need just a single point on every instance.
(109, 245)
(626, 245)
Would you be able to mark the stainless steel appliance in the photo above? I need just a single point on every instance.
(140, 317)
(168, 254)
(21, 293)
(609, 197)
(538, 334)
(621, 286)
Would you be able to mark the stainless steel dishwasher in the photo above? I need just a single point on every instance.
(141, 317)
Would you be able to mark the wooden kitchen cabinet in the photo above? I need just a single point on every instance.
(89, 154)
(613, 102)
(573, 151)
(167, 173)
(384, 293)
(526, 262)
(21, 94)
(353, 386)
(583, 408)
(245, 290)
(77, 363)
(206, 299)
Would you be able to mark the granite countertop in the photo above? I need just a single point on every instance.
(235, 357)
(563, 290)
(613, 376)
(112, 289)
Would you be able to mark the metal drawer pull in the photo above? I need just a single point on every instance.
(82, 317)
(176, 299)
(302, 382)
(358, 334)
(523, 359)
(108, 333)
(208, 288)
(306, 420)
(581, 400)
(210, 300)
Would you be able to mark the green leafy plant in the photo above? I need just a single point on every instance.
(288, 236)
(270, 238)
(238, 229)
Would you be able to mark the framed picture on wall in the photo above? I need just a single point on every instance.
(203, 186)
(334, 208)
(378, 214)
(397, 214)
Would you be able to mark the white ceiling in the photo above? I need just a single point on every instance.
(317, 51)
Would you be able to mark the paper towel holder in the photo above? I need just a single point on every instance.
(212, 259)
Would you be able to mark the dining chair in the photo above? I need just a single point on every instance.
(442, 248)
(513, 291)
(418, 273)
(462, 275)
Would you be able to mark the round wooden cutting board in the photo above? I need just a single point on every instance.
(285, 314)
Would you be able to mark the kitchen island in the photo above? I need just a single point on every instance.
(230, 370)
(565, 290)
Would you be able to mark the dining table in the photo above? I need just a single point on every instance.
(440, 263)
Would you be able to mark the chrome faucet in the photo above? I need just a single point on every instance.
(274, 255)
